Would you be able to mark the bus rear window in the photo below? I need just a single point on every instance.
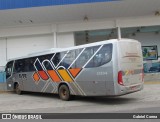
(130, 52)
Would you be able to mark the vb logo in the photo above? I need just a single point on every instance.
(46, 70)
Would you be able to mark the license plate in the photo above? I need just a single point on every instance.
(133, 87)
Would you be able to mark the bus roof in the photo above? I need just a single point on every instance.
(54, 50)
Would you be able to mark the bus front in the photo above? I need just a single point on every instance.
(130, 67)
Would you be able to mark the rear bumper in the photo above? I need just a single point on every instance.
(128, 89)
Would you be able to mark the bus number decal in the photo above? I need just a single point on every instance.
(102, 73)
(23, 76)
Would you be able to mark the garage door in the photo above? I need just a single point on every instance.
(21, 46)
(2, 53)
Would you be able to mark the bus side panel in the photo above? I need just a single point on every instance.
(96, 81)
(29, 84)
(37, 86)
(12, 80)
(10, 84)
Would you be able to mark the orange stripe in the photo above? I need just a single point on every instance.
(43, 75)
(75, 71)
(54, 75)
(65, 75)
(36, 76)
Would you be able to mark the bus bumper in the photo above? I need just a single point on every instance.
(129, 89)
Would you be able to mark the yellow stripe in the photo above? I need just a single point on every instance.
(127, 72)
(65, 75)
(151, 82)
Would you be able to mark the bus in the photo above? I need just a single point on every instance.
(107, 68)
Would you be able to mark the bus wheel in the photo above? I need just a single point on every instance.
(64, 93)
(17, 89)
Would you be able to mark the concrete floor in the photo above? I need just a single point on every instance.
(147, 100)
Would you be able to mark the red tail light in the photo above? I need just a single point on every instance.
(120, 79)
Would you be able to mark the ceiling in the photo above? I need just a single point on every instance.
(77, 12)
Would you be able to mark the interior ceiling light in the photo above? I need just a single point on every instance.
(20, 21)
(157, 13)
(85, 18)
(24, 21)
(31, 21)
(138, 30)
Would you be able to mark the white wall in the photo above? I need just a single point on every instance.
(25, 30)
(21, 46)
(65, 39)
(2, 51)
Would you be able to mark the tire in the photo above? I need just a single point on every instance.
(17, 89)
(64, 93)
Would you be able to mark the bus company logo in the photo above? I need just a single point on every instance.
(47, 70)
(6, 116)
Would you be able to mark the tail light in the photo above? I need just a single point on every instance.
(120, 79)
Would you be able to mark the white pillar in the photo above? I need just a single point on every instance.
(119, 33)
(6, 49)
(54, 32)
(55, 39)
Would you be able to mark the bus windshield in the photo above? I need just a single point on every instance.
(8, 69)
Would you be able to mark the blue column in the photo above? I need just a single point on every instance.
(2, 77)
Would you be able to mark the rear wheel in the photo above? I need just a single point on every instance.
(17, 89)
(64, 92)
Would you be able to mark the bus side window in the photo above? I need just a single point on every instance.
(19, 66)
(15, 67)
(84, 57)
(31, 65)
(56, 59)
(67, 61)
(103, 56)
(9, 68)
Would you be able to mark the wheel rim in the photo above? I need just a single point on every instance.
(17, 89)
(64, 93)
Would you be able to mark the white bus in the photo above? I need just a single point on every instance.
(107, 68)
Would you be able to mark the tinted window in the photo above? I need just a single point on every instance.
(24, 65)
(43, 59)
(47, 65)
(9, 68)
(19, 65)
(59, 59)
(30, 64)
(103, 56)
(70, 57)
(38, 65)
(85, 56)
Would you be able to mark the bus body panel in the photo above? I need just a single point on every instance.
(97, 82)
(130, 63)
(100, 80)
